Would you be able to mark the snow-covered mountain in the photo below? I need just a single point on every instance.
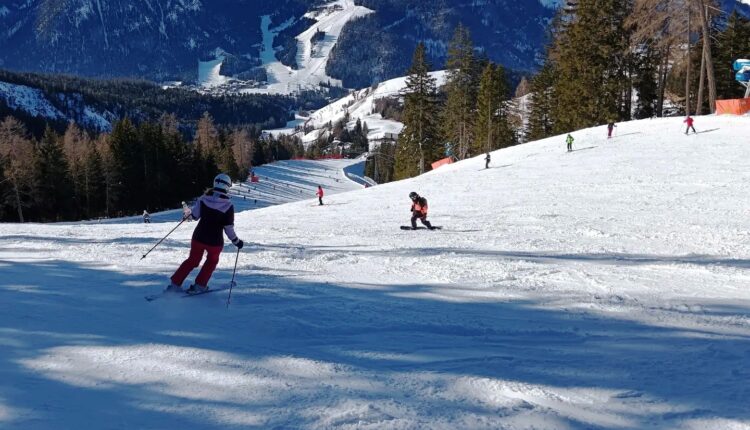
(358, 105)
(603, 288)
(194, 40)
(279, 46)
(155, 39)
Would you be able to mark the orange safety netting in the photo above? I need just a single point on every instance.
(733, 106)
(442, 162)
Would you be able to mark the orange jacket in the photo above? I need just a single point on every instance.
(420, 206)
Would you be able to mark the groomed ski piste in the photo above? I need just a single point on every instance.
(312, 56)
(604, 288)
(358, 105)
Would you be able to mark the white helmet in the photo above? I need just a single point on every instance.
(222, 182)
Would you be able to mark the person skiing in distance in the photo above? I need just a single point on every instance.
(689, 121)
(146, 217)
(569, 140)
(487, 159)
(320, 195)
(611, 126)
(186, 212)
(215, 213)
(419, 211)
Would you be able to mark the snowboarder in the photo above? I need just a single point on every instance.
(487, 159)
(320, 195)
(611, 126)
(418, 211)
(146, 217)
(215, 213)
(186, 212)
(569, 140)
(689, 120)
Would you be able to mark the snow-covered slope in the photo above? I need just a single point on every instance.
(294, 180)
(359, 105)
(312, 56)
(279, 183)
(603, 288)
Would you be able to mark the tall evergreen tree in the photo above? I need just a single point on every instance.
(54, 187)
(417, 143)
(541, 122)
(94, 183)
(590, 59)
(491, 128)
(645, 81)
(460, 88)
(127, 165)
(732, 44)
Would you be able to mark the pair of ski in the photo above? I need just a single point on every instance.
(184, 294)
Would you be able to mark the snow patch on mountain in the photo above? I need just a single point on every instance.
(312, 55)
(4, 11)
(552, 4)
(30, 100)
(209, 73)
(358, 105)
(33, 102)
(268, 53)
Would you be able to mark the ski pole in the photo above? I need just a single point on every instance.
(162, 239)
(231, 283)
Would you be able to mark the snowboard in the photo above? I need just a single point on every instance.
(408, 227)
(184, 294)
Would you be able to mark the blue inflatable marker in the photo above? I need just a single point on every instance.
(740, 64)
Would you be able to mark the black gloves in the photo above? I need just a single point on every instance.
(238, 243)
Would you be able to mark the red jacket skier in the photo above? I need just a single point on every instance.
(689, 121)
(320, 194)
(419, 210)
(215, 213)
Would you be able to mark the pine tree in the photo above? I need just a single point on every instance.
(460, 88)
(541, 123)
(94, 182)
(417, 141)
(491, 128)
(590, 58)
(732, 44)
(127, 165)
(645, 82)
(54, 188)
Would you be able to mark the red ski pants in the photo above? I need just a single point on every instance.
(196, 254)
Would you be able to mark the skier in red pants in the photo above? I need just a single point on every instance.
(320, 195)
(216, 213)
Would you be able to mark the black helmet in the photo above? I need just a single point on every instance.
(413, 195)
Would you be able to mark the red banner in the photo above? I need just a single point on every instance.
(443, 162)
(733, 106)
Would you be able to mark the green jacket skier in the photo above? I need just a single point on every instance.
(569, 141)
